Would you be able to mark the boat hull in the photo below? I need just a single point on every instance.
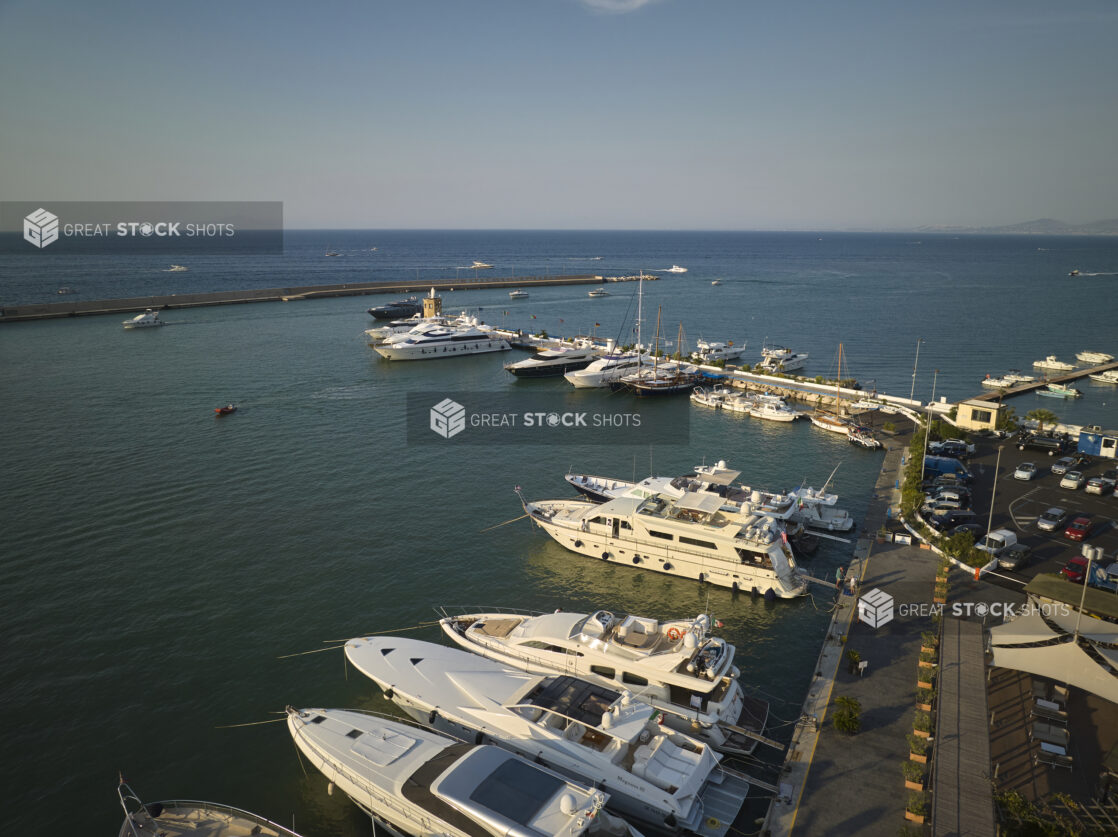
(459, 349)
(551, 370)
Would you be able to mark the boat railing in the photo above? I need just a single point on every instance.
(453, 611)
(203, 808)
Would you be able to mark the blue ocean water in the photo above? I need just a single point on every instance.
(158, 561)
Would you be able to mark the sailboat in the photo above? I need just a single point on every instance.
(668, 378)
(833, 422)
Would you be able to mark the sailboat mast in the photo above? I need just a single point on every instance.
(640, 305)
(838, 383)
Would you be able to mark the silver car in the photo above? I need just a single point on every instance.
(1052, 519)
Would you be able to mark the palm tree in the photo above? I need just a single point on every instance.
(1042, 417)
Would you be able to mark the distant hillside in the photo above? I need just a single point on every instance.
(1041, 226)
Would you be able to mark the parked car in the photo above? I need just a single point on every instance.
(936, 466)
(1103, 483)
(1026, 471)
(1052, 445)
(1075, 569)
(945, 521)
(958, 493)
(976, 530)
(998, 541)
(1014, 557)
(1070, 463)
(944, 480)
(1079, 529)
(1052, 519)
(955, 448)
(1073, 480)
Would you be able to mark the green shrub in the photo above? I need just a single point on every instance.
(925, 695)
(922, 721)
(846, 718)
(917, 745)
(917, 804)
(913, 771)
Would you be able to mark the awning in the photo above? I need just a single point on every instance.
(719, 477)
(700, 501)
(1030, 644)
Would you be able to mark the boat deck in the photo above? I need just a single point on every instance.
(202, 819)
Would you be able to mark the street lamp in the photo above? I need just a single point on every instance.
(915, 363)
(994, 490)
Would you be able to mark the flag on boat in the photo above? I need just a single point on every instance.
(784, 537)
(533, 316)
(597, 325)
(719, 624)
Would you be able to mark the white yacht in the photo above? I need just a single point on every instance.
(688, 536)
(998, 383)
(415, 781)
(676, 269)
(480, 265)
(580, 729)
(1110, 376)
(176, 817)
(1016, 377)
(828, 421)
(518, 294)
(713, 398)
(674, 666)
(148, 319)
(435, 340)
(598, 292)
(613, 366)
(379, 334)
(781, 359)
(772, 408)
(813, 508)
(709, 352)
(551, 363)
(1053, 364)
(738, 401)
(1094, 357)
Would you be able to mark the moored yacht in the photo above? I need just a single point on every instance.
(415, 781)
(1094, 357)
(1052, 363)
(669, 378)
(828, 421)
(610, 367)
(714, 397)
(782, 359)
(190, 816)
(579, 729)
(148, 319)
(710, 352)
(675, 666)
(1110, 376)
(688, 536)
(998, 383)
(398, 309)
(551, 363)
(1059, 391)
(772, 408)
(435, 340)
(1015, 376)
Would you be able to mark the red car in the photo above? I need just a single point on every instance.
(1078, 529)
(1075, 569)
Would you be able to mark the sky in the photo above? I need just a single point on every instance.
(570, 114)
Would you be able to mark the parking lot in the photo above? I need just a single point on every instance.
(1018, 504)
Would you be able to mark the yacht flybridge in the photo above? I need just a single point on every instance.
(580, 729)
(413, 780)
(690, 536)
(813, 508)
(674, 666)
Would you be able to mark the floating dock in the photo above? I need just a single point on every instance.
(1032, 386)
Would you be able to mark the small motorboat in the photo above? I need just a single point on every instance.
(598, 292)
(676, 269)
(148, 319)
(518, 294)
(716, 282)
(1074, 272)
(227, 410)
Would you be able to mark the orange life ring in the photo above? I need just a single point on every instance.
(674, 634)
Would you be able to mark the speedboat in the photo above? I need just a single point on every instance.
(480, 265)
(227, 410)
(415, 781)
(193, 817)
(65, 291)
(689, 675)
(397, 310)
(177, 268)
(518, 294)
(148, 319)
(676, 269)
(434, 341)
(590, 733)
(713, 398)
(782, 359)
(598, 292)
(609, 368)
(1094, 357)
(716, 282)
(997, 383)
(332, 253)
(711, 352)
(772, 408)
(1014, 376)
(863, 437)
(690, 536)
(1051, 362)
(1059, 391)
(551, 363)
(1074, 272)
(1110, 376)
(738, 402)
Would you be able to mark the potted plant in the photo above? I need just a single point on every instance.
(846, 718)
(922, 725)
(852, 660)
(927, 658)
(916, 807)
(924, 697)
(929, 641)
(913, 775)
(918, 749)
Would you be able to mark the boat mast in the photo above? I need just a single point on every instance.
(640, 303)
(838, 384)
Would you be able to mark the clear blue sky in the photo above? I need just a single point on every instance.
(669, 114)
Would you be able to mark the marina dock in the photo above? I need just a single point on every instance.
(56, 310)
(1031, 386)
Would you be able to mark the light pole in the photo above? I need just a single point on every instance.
(994, 490)
(915, 363)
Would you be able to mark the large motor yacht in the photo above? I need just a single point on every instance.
(148, 319)
(675, 666)
(588, 732)
(397, 309)
(611, 367)
(709, 352)
(688, 536)
(415, 781)
(551, 363)
(434, 340)
(781, 359)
